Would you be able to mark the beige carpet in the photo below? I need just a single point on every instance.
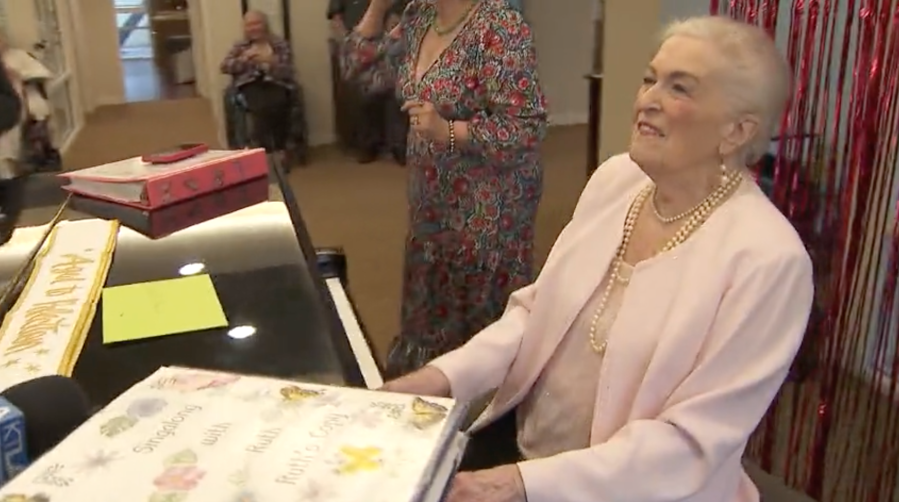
(358, 207)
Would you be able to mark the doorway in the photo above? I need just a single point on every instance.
(155, 49)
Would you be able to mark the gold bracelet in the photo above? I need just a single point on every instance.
(452, 136)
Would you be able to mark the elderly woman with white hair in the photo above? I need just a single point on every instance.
(262, 70)
(668, 313)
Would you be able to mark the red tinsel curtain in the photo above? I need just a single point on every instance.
(834, 430)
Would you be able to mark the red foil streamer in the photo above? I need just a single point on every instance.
(835, 435)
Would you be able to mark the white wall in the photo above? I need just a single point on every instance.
(220, 26)
(309, 39)
(563, 34)
(98, 51)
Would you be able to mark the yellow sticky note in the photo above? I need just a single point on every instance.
(160, 308)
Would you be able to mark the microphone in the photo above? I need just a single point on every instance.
(52, 407)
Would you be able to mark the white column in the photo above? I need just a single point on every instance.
(309, 39)
(219, 28)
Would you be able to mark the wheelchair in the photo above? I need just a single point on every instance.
(241, 132)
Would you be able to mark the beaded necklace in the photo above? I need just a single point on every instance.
(695, 218)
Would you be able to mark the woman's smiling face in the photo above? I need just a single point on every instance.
(681, 112)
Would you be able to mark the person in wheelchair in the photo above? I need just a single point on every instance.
(262, 71)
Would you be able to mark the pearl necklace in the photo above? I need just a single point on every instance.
(697, 216)
(677, 217)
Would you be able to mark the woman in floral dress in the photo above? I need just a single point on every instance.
(467, 73)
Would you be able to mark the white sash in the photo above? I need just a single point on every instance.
(44, 331)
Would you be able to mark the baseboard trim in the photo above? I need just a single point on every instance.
(567, 119)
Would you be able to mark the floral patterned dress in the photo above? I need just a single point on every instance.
(471, 211)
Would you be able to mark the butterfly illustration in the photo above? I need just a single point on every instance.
(425, 413)
(294, 393)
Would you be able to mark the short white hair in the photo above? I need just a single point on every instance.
(258, 14)
(760, 76)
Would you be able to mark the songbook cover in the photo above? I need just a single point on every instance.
(194, 435)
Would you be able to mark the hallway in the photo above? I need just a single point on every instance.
(144, 82)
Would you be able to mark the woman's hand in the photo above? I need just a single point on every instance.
(426, 122)
(500, 484)
(428, 381)
(250, 54)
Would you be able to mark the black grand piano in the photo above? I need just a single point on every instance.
(271, 281)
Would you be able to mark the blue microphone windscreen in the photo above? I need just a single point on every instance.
(13, 450)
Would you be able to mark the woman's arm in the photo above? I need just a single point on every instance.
(371, 57)
(759, 327)
(516, 116)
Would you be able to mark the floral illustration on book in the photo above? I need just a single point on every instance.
(394, 411)
(40, 497)
(146, 408)
(138, 409)
(314, 490)
(245, 496)
(238, 477)
(355, 459)
(256, 395)
(54, 475)
(426, 414)
(194, 381)
(99, 460)
(369, 418)
(181, 475)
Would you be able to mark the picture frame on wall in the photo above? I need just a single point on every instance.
(277, 11)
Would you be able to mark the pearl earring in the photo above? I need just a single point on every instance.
(724, 175)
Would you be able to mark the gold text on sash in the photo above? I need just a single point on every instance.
(47, 317)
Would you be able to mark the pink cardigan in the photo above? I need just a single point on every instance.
(701, 345)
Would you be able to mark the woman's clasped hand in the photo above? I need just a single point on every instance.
(426, 121)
